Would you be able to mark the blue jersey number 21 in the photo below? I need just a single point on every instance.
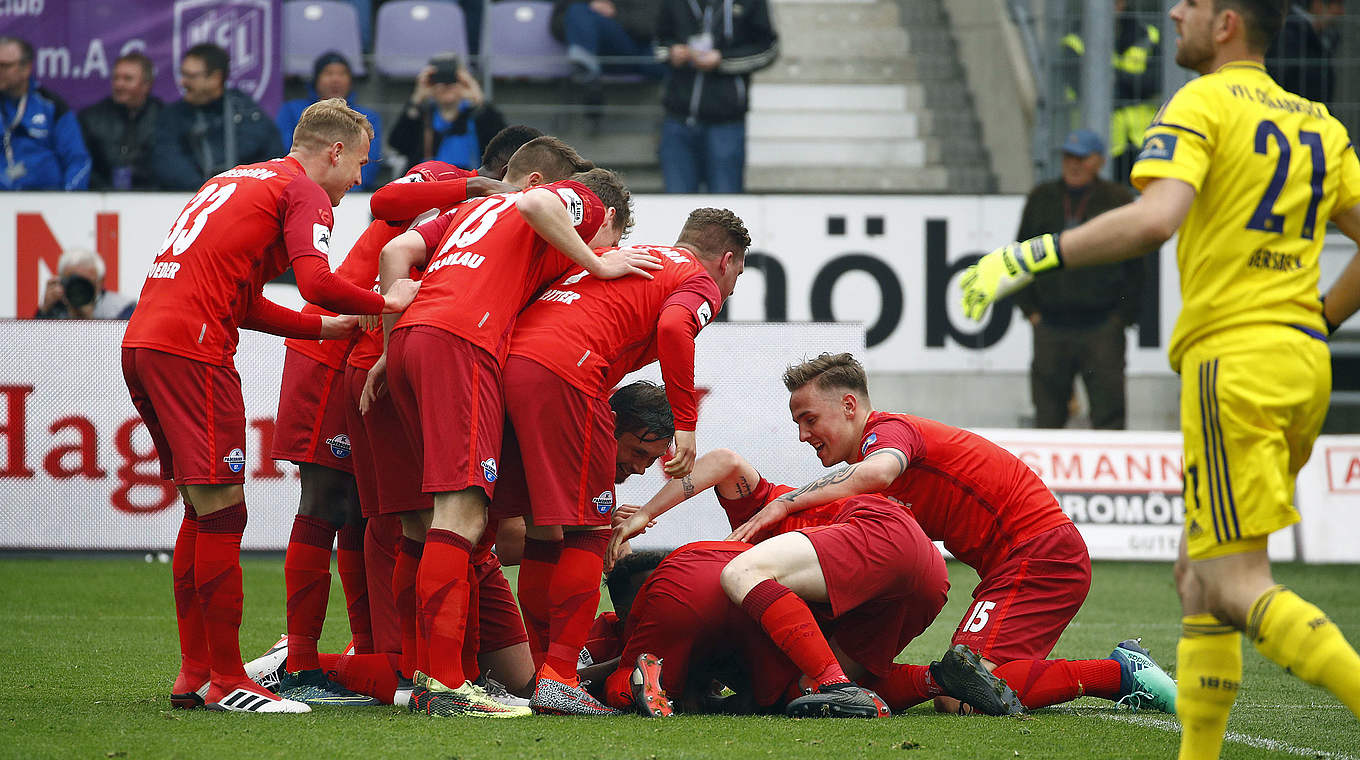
(1264, 217)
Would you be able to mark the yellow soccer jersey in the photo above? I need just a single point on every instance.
(1269, 169)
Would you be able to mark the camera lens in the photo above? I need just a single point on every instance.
(79, 291)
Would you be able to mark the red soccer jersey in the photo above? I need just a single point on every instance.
(964, 490)
(241, 230)
(360, 266)
(740, 510)
(592, 332)
(486, 264)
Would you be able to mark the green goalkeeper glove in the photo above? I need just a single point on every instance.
(1006, 270)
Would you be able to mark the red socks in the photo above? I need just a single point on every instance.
(307, 577)
(217, 575)
(535, 576)
(193, 641)
(404, 592)
(472, 630)
(905, 685)
(574, 597)
(790, 624)
(382, 543)
(442, 603)
(350, 559)
(1040, 683)
(371, 674)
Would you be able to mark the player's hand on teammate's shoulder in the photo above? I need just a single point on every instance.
(681, 462)
(400, 295)
(375, 384)
(621, 262)
(338, 327)
(768, 515)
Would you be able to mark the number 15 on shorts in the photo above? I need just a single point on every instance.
(978, 618)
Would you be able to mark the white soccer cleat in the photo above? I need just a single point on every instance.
(268, 668)
(245, 700)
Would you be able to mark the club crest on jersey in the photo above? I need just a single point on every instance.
(575, 206)
(236, 460)
(1160, 146)
(339, 444)
(604, 503)
(489, 469)
(704, 313)
(871, 440)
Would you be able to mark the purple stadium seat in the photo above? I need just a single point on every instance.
(409, 32)
(313, 27)
(519, 42)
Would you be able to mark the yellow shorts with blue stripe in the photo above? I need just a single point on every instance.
(1252, 402)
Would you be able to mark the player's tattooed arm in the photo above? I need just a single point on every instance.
(687, 486)
(871, 475)
(743, 488)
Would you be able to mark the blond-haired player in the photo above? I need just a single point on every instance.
(1250, 174)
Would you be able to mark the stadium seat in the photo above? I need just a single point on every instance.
(520, 45)
(313, 27)
(409, 32)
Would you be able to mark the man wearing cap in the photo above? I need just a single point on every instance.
(333, 78)
(1079, 315)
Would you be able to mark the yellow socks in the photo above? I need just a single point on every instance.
(1299, 636)
(1208, 673)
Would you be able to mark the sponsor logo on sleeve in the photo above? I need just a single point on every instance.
(575, 206)
(321, 238)
(869, 441)
(1159, 146)
(236, 460)
(604, 503)
(339, 444)
(704, 313)
(489, 469)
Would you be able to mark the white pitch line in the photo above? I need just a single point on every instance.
(1259, 742)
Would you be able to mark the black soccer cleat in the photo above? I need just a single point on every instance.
(963, 676)
(839, 700)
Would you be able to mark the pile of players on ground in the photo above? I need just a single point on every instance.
(481, 424)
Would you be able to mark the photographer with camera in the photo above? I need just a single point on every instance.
(447, 118)
(77, 292)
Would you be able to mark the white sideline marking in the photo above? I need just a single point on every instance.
(1259, 742)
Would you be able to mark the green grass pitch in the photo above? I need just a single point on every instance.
(88, 651)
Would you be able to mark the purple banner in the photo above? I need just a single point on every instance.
(77, 41)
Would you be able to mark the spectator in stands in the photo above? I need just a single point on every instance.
(120, 130)
(1079, 315)
(213, 128)
(333, 78)
(1300, 59)
(447, 117)
(712, 49)
(42, 145)
(77, 292)
(594, 28)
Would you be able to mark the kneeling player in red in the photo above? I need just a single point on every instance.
(570, 347)
(245, 227)
(994, 514)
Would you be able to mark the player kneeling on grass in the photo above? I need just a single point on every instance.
(1129, 674)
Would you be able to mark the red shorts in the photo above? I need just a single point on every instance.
(682, 615)
(311, 425)
(447, 393)
(195, 414)
(385, 465)
(1021, 608)
(567, 437)
(886, 581)
(500, 625)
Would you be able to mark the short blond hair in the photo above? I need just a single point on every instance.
(330, 121)
(829, 372)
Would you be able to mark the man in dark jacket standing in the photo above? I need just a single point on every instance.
(120, 130)
(213, 128)
(1079, 315)
(712, 47)
(42, 145)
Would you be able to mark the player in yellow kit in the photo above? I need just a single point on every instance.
(1250, 174)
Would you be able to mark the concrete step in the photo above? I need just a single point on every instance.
(846, 98)
(831, 152)
(845, 41)
(763, 125)
(832, 16)
(808, 179)
(793, 69)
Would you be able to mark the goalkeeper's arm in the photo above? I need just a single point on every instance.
(1122, 233)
